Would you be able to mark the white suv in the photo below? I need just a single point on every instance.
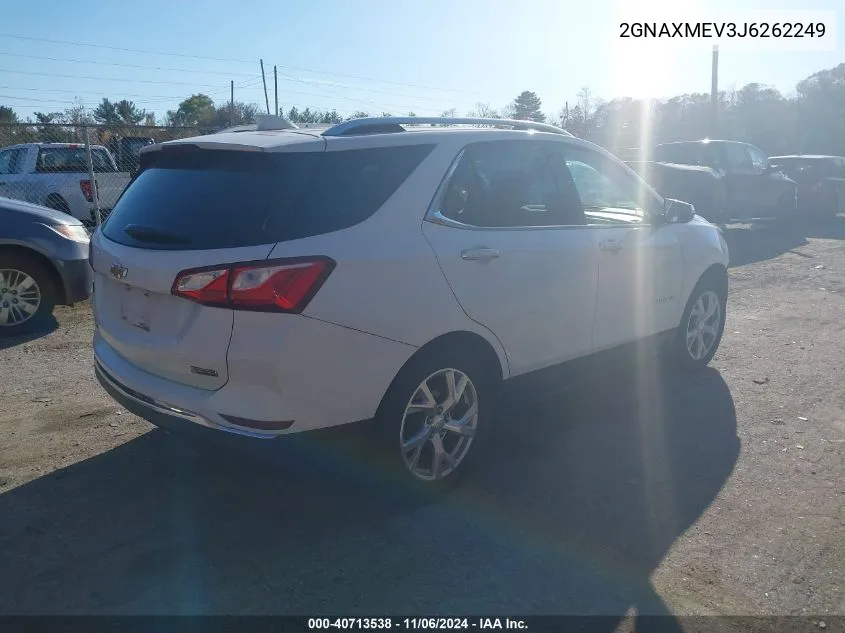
(272, 281)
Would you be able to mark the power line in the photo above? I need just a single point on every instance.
(128, 50)
(99, 93)
(316, 84)
(234, 60)
(144, 81)
(373, 90)
(195, 85)
(89, 61)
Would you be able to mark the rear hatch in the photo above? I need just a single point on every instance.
(188, 208)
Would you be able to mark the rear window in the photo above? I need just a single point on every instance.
(72, 159)
(187, 199)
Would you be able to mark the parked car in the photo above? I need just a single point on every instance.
(55, 175)
(372, 271)
(821, 181)
(738, 181)
(700, 185)
(127, 151)
(43, 262)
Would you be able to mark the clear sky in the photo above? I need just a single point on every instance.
(372, 55)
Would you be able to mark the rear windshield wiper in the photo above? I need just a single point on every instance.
(157, 236)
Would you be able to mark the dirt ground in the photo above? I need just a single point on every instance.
(722, 493)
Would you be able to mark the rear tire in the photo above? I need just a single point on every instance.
(27, 294)
(702, 324)
(430, 430)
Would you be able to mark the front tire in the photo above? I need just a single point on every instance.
(702, 324)
(433, 416)
(27, 295)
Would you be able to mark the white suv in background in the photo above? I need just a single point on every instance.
(272, 281)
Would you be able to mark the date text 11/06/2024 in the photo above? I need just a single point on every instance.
(412, 624)
(717, 30)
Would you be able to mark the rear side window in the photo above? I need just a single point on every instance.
(72, 159)
(186, 199)
(349, 186)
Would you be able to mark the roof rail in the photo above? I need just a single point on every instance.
(271, 122)
(381, 125)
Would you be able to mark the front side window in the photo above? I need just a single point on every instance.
(609, 194)
(758, 159)
(505, 184)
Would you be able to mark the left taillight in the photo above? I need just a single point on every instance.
(285, 285)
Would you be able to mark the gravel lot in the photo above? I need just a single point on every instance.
(721, 493)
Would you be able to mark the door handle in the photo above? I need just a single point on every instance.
(611, 246)
(480, 254)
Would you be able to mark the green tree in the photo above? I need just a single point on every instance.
(49, 132)
(128, 113)
(527, 107)
(7, 115)
(331, 116)
(239, 114)
(106, 113)
(196, 110)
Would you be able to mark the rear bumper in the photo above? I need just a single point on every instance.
(161, 414)
(281, 368)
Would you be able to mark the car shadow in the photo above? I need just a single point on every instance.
(43, 328)
(759, 241)
(578, 500)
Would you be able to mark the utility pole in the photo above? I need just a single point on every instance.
(714, 93)
(264, 81)
(276, 88)
(232, 102)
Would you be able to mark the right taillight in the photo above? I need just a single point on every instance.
(282, 285)
(85, 185)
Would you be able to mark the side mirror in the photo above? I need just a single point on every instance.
(677, 212)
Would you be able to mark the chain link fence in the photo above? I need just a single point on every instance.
(54, 165)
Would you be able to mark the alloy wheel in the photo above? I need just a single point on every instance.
(439, 424)
(703, 326)
(20, 297)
